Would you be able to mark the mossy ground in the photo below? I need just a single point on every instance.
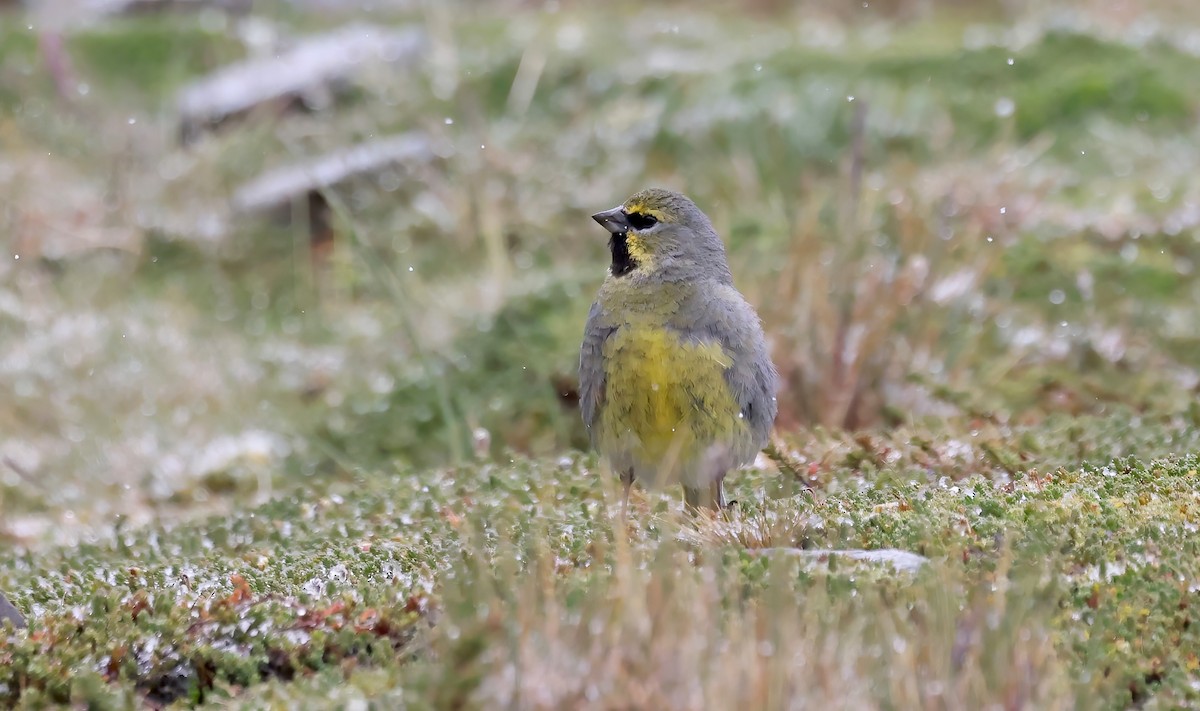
(228, 480)
(1074, 585)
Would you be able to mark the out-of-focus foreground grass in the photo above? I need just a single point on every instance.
(971, 232)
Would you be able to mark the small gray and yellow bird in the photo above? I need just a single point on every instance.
(676, 385)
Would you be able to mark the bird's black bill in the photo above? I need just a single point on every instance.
(614, 220)
(617, 223)
(622, 262)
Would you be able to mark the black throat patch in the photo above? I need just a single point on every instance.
(622, 263)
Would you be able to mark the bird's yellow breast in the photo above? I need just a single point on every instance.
(665, 398)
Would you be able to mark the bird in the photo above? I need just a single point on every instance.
(676, 384)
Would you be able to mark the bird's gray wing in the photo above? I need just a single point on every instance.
(724, 316)
(591, 367)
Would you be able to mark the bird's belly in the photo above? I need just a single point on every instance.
(667, 402)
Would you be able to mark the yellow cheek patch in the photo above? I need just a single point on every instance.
(637, 248)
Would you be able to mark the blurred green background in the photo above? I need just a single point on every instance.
(224, 279)
(939, 208)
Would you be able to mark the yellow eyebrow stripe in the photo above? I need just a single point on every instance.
(639, 209)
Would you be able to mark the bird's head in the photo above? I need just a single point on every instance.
(661, 233)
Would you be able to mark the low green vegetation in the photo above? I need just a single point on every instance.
(1072, 585)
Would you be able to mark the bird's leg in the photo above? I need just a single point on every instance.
(724, 506)
(626, 484)
(711, 497)
(704, 497)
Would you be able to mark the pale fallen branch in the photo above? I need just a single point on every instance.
(283, 186)
(10, 613)
(103, 8)
(313, 67)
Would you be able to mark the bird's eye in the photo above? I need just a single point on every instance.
(640, 221)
